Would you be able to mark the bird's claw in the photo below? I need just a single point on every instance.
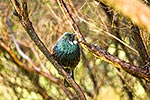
(66, 83)
(69, 73)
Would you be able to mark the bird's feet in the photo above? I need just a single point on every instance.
(66, 83)
(60, 72)
(70, 75)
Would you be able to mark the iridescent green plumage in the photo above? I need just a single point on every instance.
(67, 52)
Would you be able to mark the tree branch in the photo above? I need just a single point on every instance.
(22, 13)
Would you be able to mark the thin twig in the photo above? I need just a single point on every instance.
(9, 24)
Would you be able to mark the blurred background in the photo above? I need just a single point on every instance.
(100, 24)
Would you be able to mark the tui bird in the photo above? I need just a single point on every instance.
(67, 53)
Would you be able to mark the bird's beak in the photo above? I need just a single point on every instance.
(74, 35)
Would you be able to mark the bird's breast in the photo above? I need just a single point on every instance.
(68, 55)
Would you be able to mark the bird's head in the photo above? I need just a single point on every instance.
(70, 37)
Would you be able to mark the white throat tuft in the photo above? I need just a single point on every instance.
(75, 42)
(72, 43)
